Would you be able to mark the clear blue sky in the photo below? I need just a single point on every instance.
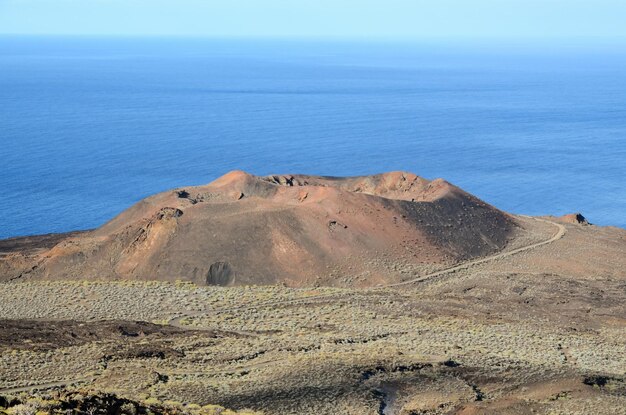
(409, 19)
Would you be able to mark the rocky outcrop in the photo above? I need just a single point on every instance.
(575, 218)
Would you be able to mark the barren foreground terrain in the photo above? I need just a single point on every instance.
(538, 328)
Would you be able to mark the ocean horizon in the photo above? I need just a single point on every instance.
(89, 126)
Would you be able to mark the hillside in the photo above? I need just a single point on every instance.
(293, 229)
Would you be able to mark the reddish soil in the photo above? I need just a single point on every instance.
(298, 230)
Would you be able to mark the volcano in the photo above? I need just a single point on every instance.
(296, 230)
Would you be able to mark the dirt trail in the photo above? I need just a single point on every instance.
(558, 235)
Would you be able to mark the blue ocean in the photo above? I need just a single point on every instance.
(89, 126)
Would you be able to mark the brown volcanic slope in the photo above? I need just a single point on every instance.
(299, 230)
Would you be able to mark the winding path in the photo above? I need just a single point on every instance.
(558, 235)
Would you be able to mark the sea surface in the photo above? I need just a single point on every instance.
(89, 126)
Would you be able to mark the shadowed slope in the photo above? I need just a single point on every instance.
(293, 229)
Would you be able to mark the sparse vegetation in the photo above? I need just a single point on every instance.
(263, 347)
(86, 403)
(514, 333)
